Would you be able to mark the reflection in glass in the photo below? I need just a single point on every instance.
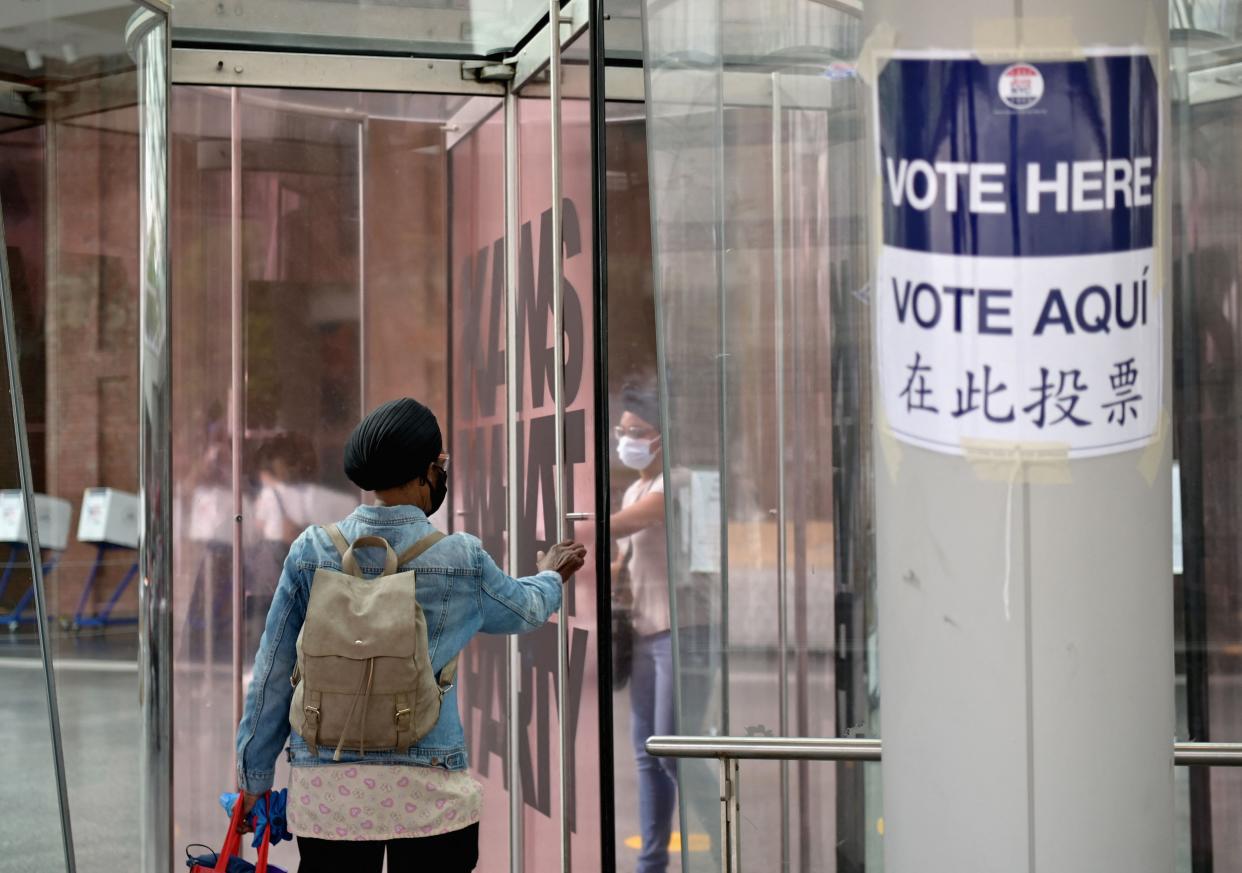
(1206, 113)
(70, 188)
(757, 240)
(31, 828)
(536, 471)
(479, 442)
(342, 249)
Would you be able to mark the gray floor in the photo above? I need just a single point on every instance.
(98, 698)
(97, 691)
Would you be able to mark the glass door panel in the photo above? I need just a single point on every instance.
(754, 130)
(76, 87)
(536, 440)
(31, 829)
(335, 236)
(479, 444)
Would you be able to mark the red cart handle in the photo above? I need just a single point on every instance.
(232, 841)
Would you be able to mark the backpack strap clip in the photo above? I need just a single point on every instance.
(310, 712)
(447, 676)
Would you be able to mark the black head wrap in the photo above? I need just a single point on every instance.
(641, 399)
(393, 445)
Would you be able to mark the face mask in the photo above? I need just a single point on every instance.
(635, 453)
(439, 491)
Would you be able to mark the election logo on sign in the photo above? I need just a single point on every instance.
(1020, 86)
(1017, 287)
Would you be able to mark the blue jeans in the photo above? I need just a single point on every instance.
(653, 711)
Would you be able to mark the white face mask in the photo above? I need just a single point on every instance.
(635, 453)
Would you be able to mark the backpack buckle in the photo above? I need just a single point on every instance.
(312, 718)
(400, 714)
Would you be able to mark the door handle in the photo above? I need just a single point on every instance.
(579, 516)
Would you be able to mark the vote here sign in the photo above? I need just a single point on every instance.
(1017, 292)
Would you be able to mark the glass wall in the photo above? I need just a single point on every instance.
(753, 134)
(1207, 246)
(76, 83)
(480, 446)
(537, 469)
(483, 425)
(311, 285)
(32, 835)
(754, 138)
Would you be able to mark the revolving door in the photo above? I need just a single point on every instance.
(351, 228)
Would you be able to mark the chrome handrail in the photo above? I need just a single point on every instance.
(850, 749)
(729, 750)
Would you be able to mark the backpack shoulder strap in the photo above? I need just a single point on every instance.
(419, 547)
(449, 673)
(338, 538)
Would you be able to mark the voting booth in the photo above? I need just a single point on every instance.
(52, 518)
(109, 521)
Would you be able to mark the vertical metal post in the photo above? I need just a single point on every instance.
(150, 51)
(735, 814)
(513, 493)
(558, 391)
(782, 568)
(603, 497)
(18, 410)
(730, 817)
(723, 424)
(362, 265)
(1188, 388)
(238, 385)
(725, 840)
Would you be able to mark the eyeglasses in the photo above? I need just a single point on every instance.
(633, 432)
(443, 461)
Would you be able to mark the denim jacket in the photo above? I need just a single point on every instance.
(462, 592)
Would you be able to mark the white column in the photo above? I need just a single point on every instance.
(1025, 598)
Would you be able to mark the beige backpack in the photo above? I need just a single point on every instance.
(363, 678)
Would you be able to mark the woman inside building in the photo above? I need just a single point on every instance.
(415, 803)
(641, 587)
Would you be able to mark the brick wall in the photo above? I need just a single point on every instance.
(92, 338)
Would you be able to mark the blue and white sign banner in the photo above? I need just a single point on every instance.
(1017, 287)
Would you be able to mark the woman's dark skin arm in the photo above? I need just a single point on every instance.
(566, 558)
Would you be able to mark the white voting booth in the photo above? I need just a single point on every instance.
(109, 521)
(109, 517)
(52, 518)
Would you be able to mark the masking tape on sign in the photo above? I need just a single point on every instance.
(1027, 38)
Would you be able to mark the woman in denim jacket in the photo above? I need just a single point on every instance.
(418, 802)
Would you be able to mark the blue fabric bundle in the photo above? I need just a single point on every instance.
(277, 817)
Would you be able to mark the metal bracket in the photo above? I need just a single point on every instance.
(273, 69)
(488, 71)
(533, 60)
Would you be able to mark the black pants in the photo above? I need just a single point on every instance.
(454, 852)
